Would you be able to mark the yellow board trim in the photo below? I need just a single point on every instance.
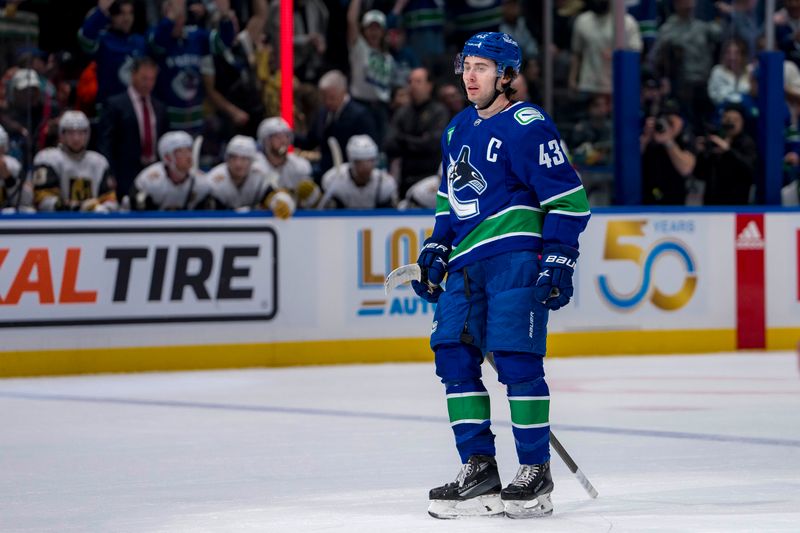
(329, 352)
(783, 339)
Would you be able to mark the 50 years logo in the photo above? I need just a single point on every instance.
(646, 259)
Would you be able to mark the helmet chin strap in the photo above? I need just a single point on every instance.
(497, 93)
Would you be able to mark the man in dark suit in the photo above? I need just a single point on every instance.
(131, 124)
(339, 117)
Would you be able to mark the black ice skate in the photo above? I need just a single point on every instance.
(475, 492)
(528, 495)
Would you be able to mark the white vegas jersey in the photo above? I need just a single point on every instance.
(154, 190)
(341, 191)
(57, 173)
(252, 193)
(8, 195)
(289, 175)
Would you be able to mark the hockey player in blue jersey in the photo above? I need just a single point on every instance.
(508, 215)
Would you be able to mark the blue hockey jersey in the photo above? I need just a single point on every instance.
(113, 51)
(182, 63)
(508, 186)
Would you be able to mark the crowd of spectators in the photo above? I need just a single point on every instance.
(175, 104)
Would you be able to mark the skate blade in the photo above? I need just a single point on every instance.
(486, 505)
(537, 508)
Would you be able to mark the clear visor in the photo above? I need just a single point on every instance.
(458, 63)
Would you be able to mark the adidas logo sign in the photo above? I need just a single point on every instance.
(750, 237)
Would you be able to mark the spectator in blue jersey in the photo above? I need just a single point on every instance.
(186, 66)
(106, 36)
(509, 212)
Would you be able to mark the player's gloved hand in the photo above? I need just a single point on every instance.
(281, 204)
(308, 193)
(556, 266)
(432, 261)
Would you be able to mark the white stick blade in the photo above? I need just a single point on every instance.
(401, 275)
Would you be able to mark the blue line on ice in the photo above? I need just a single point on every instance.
(396, 416)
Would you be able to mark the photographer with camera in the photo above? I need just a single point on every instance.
(727, 160)
(667, 157)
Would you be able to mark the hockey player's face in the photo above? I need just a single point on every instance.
(479, 76)
(75, 140)
(362, 170)
(239, 167)
(279, 144)
(182, 158)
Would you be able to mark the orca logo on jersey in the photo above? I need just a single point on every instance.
(461, 175)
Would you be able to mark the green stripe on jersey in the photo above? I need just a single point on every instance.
(573, 202)
(511, 222)
(442, 204)
(529, 410)
(468, 406)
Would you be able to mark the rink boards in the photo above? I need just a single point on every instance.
(121, 293)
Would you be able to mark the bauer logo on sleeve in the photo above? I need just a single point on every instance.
(527, 115)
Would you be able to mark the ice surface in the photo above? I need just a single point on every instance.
(672, 443)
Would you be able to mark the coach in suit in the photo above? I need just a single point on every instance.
(339, 117)
(131, 124)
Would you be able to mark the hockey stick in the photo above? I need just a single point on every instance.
(573, 467)
(338, 162)
(197, 145)
(407, 273)
(561, 451)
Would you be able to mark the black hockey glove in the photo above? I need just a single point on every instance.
(433, 264)
(556, 266)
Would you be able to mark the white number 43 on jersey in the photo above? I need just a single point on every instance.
(552, 148)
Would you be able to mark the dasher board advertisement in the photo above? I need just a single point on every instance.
(90, 274)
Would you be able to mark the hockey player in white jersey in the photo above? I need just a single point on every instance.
(11, 183)
(239, 184)
(70, 177)
(292, 172)
(170, 184)
(358, 184)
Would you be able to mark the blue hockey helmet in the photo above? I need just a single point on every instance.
(499, 47)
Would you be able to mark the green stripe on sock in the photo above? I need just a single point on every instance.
(468, 407)
(527, 412)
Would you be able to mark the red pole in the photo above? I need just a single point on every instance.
(287, 61)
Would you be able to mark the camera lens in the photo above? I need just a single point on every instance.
(662, 125)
